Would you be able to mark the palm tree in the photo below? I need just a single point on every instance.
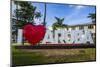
(93, 17)
(25, 14)
(58, 23)
(37, 15)
(44, 22)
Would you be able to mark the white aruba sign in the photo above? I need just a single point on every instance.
(67, 37)
(63, 37)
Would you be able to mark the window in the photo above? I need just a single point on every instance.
(73, 28)
(90, 26)
(81, 27)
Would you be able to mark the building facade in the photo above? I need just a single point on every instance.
(91, 27)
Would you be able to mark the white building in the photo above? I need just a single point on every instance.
(85, 27)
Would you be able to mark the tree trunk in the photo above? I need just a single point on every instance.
(44, 15)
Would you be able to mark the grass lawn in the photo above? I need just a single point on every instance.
(45, 56)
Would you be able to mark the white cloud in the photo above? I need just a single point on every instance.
(71, 5)
(79, 7)
(75, 12)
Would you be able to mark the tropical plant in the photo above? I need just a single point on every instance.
(93, 17)
(26, 13)
(44, 22)
(58, 23)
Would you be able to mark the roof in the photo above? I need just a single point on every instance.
(86, 24)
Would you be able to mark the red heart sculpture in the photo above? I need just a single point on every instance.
(34, 33)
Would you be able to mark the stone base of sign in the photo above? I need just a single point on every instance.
(66, 46)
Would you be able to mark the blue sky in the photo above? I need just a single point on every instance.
(72, 14)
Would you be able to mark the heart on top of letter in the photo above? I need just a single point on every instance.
(34, 33)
